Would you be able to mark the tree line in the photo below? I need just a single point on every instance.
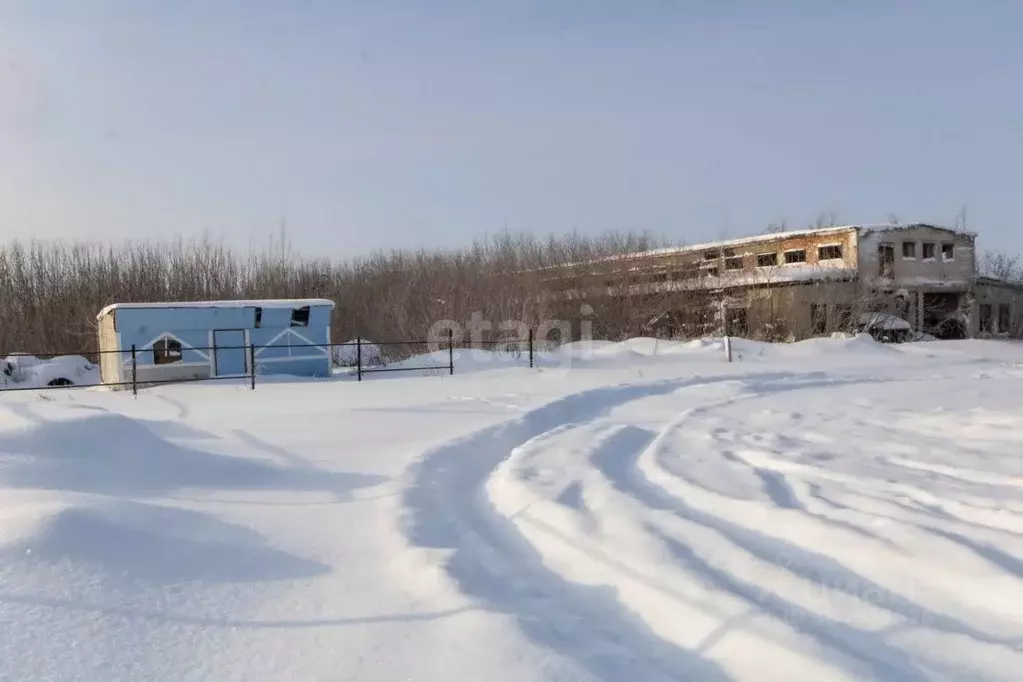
(50, 292)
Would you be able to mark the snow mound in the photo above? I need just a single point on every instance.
(155, 545)
(466, 360)
(713, 349)
(27, 371)
(645, 351)
(884, 321)
(348, 354)
(860, 344)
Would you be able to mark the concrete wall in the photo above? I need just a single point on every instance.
(747, 252)
(803, 311)
(670, 269)
(788, 312)
(916, 271)
(996, 296)
(810, 244)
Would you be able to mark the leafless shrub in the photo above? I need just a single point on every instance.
(50, 292)
(1001, 265)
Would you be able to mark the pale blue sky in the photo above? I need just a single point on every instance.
(378, 124)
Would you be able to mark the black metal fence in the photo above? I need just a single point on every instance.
(358, 358)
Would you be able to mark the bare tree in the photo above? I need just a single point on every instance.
(825, 219)
(1000, 265)
(51, 292)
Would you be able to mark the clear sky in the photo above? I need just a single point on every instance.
(383, 123)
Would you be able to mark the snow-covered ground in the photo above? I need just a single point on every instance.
(829, 510)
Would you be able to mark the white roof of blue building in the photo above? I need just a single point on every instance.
(265, 303)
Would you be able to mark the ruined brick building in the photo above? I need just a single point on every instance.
(798, 284)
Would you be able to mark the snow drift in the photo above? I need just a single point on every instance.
(830, 510)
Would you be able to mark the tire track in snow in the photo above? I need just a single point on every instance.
(959, 474)
(563, 538)
(783, 494)
(644, 478)
(775, 485)
(856, 651)
(981, 518)
(774, 482)
(446, 508)
(617, 547)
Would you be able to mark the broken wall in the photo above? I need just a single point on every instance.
(997, 310)
(923, 256)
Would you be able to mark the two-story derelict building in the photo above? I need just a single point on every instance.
(182, 341)
(804, 283)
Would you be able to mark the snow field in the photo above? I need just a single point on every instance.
(832, 510)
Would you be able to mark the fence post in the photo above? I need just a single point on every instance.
(728, 348)
(451, 351)
(134, 372)
(252, 363)
(530, 346)
(358, 356)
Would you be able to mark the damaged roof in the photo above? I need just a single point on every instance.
(767, 237)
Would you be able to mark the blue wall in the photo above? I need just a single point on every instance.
(280, 347)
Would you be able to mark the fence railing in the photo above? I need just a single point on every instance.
(177, 363)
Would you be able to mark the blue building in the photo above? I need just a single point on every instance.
(200, 340)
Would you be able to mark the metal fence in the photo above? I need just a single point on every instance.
(28, 372)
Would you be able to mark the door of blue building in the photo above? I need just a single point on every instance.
(230, 354)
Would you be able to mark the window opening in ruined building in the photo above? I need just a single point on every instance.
(711, 255)
(300, 317)
(948, 252)
(886, 260)
(167, 351)
(734, 263)
(941, 315)
(928, 250)
(765, 260)
(909, 250)
(1004, 318)
(985, 319)
(795, 256)
(830, 252)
